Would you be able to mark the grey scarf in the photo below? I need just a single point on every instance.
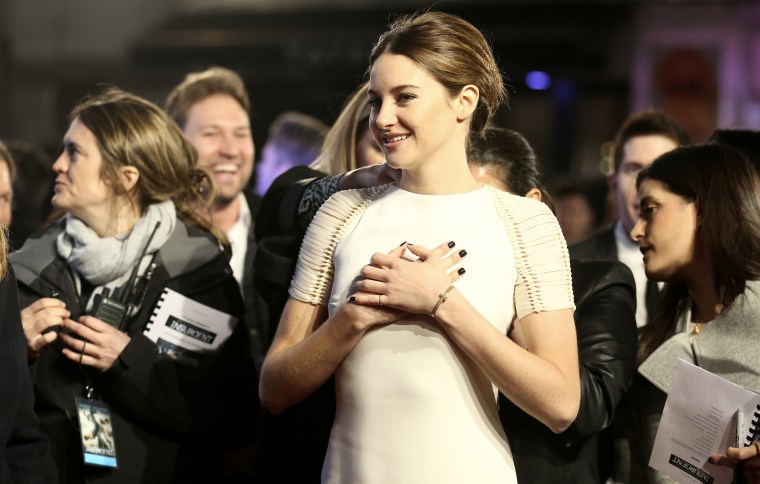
(108, 261)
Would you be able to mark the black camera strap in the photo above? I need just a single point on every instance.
(133, 276)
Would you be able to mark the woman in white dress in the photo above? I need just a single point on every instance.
(417, 344)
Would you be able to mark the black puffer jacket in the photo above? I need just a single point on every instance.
(171, 422)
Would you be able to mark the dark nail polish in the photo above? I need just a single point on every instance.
(711, 460)
(402, 243)
(461, 271)
(451, 244)
(462, 253)
(352, 299)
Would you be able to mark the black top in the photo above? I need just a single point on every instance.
(256, 309)
(600, 246)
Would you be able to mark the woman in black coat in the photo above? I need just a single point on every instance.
(129, 303)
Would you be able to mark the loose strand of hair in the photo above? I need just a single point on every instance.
(3, 250)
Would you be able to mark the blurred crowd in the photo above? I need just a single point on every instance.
(172, 294)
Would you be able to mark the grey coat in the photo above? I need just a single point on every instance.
(727, 347)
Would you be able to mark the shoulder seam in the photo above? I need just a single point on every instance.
(314, 272)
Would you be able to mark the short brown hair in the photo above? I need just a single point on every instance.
(197, 86)
(648, 122)
(454, 52)
(297, 134)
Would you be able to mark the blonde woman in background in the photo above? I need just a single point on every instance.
(349, 143)
(287, 208)
(7, 175)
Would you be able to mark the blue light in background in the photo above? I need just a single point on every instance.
(538, 80)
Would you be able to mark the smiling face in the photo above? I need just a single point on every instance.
(79, 187)
(220, 130)
(667, 234)
(413, 118)
(638, 153)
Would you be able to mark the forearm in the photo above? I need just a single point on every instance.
(299, 362)
(546, 388)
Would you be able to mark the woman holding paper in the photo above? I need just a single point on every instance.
(94, 280)
(699, 232)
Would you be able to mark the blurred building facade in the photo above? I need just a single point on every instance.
(699, 60)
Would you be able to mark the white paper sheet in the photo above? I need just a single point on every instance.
(186, 329)
(697, 423)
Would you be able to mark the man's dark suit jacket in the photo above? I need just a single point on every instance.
(603, 246)
(605, 323)
(256, 310)
(600, 246)
(292, 445)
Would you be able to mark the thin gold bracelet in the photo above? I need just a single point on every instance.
(441, 299)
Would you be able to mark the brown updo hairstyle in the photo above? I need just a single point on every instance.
(132, 131)
(454, 52)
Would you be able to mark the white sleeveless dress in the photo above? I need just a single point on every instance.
(411, 407)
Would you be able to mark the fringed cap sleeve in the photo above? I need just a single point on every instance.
(313, 277)
(543, 265)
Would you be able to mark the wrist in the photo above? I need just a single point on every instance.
(442, 297)
(354, 321)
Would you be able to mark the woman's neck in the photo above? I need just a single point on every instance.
(706, 299)
(439, 179)
(116, 219)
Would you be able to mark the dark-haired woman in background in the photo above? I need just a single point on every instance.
(699, 232)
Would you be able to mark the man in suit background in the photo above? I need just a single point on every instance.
(640, 140)
(212, 109)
